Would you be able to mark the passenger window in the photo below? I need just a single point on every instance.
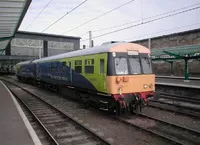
(70, 64)
(58, 67)
(63, 66)
(89, 66)
(49, 67)
(78, 66)
(52, 67)
(101, 66)
(78, 69)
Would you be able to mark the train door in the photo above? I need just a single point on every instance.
(102, 71)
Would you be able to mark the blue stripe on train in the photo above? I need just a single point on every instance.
(61, 77)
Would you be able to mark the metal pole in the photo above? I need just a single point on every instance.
(39, 50)
(186, 71)
(149, 43)
(172, 68)
(90, 38)
(92, 43)
(142, 10)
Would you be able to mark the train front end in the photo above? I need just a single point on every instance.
(130, 79)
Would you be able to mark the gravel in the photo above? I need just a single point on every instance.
(102, 123)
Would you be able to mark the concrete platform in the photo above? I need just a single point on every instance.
(178, 77)
(178, 82)
(14, 126)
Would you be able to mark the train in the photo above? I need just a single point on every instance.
(116, 77)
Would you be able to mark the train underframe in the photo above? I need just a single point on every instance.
(120, 104)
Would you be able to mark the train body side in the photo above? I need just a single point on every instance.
(26, 71)
(84, 72)
(121, 75)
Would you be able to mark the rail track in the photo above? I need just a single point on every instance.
(180, 98)
(59, 128)
(178, 104)
(176, 134)
(176, 109)
(168, 131)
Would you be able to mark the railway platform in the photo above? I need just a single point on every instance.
(15, 128)
(167, 81)
(178, 77)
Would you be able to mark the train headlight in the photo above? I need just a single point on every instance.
(145, 86)
(118, 79)
(151, 86)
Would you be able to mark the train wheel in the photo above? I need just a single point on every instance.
(122, 108)
(118, 108)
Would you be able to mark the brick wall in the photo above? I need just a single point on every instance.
(177, 39)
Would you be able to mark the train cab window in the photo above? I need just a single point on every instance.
(146, 65)
(89, 66)
(101, 66)
(135, 67)
(121, 66)
(78, 66)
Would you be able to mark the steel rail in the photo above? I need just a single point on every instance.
(188, 112)
(64, 114)
(36, 118)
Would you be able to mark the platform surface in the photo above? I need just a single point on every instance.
(13, 130)
(178, 82)
(177, 77)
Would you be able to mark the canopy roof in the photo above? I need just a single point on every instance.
(11, 15)
(174, 53)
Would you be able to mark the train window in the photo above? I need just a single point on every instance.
(78, 69)
(135, 67)
(63, 66)
(49, 67)
(102, 66)
(78, 66)
(89, 69)
(121, 66)
(52, 67)
(89, 66)
(57, 67)
(89, 62)
(146, 65)
(78, 62)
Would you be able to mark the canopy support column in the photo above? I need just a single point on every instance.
(171, 68)
(186, 71)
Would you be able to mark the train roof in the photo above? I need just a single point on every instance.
(24, 62)
(113, 47)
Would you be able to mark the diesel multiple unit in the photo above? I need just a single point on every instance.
(117, 76)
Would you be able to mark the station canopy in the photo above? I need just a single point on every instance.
(11, 15)
(176, 53)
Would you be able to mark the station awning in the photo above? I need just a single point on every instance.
(176, 53)
(12, 13)
(171, 54)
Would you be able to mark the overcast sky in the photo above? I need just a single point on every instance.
(136, 10)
